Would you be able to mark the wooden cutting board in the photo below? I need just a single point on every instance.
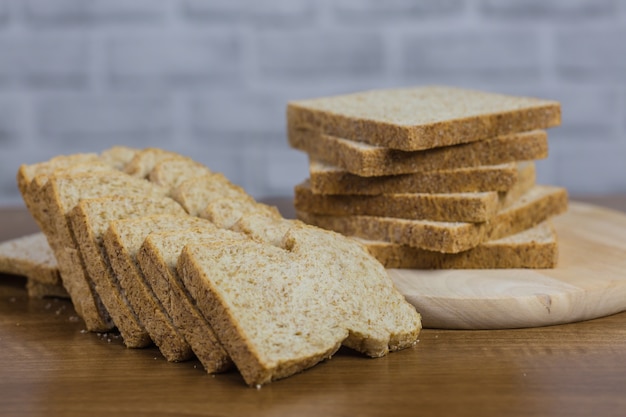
(589, 281)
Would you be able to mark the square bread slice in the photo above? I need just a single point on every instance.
(537, 205)
(89, 220)
(419, 118)
(280, 310)
(157, 258)
(171, 172)
(226, 212)
(534, 248)
(367, 160)
(195, 193)
(328, 179)
(30, 256)
(144, 161)
(60, 195)
(122, 241)
(452, 207)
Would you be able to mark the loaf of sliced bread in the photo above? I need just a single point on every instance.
(89, 220)
(60, 195)
(279, 310)
(538, 204)
(328, 179)
(421, 118)
(157, 258)
(122, 241)
(372, 161)
(30, 256)
(532, 248)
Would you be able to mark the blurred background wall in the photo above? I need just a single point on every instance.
(211, 78)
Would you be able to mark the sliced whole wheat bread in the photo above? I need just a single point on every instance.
(144, 160)
(328, 179)
(534, 248)
(122, 241)
(280, 310)
(226, 212)
(195, 193)
(157, 258)
(171, 172)
(371, 161)
(423, 117)
(30, 256)
(538, 204)
(118, 156)
(89, 220)
(453, 207)
(60, 195)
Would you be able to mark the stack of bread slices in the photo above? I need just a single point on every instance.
(170, 253)
(431, 177)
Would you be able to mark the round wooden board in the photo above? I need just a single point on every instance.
(589, 281)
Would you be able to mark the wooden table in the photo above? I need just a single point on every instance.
(50, 366)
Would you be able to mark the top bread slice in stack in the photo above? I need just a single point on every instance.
(416, 171)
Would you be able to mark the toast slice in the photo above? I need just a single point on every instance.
(366, 160)
(122, 241)
(60, 195)
(537, 205)
(30, 256)
(157, 258)
(328, 179)
(453, 207)
(280, 310)
(534, 248)
(195, 193)
(89, 220)
(420, 118)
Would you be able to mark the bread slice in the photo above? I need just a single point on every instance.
(30, 256)
(38, 289)
(535, 248)
(118, 156)
(122, 241)
(60, 195)
(157, 258)
(537, 205)
(195, 193)
(328, 179)
(452, 207)
(280, 310)
(422, 118)
(89, 220)
(171, 172)
(372, 161)
(144, 161)
(28, 172)
(226, 212)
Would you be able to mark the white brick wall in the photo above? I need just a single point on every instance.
(211, 78)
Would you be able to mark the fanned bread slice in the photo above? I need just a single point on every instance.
(60, 195)
(118, 156)
(226, 212)
(452, 207)
(534, 248)
(30, 256)
(28, 172)
(371, 161)
(328, 179)
(195, 193)
(538, 204)
(171, 172)
(280, 310)
(89, 220)
(422, 117)
(157, 258)
(122, 241)
(144, 161)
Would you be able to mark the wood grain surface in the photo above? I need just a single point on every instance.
(589, 281)
(51, 366)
